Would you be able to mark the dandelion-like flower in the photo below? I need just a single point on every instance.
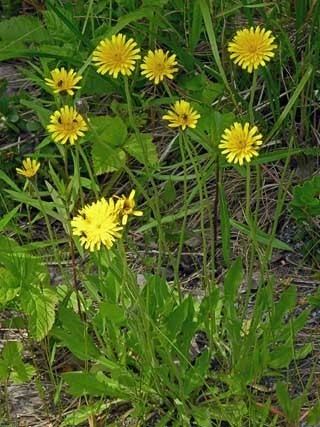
(66, 124)
(97, 224)
(182, 115)
(63, 80)
(116, 55)
(126, 206)
(30, 168)
(158, 64)
(240, 143)
(251, 48)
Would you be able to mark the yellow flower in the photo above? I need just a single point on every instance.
(97, 224)
(182, 115)
(63, 80)
(240, 143)
(30, 168)
(158, 65)
(66, 124)
(251, 48)
(116, 56)
(125, 207)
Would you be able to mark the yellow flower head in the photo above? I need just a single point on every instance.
(66, 124)
(182, 115)
(158, 64)
(63, 80)
(116, 55)
(97, 224)
(240, 143)
(30, 168)
(125, 207)
(251, 48)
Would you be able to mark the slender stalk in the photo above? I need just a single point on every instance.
(215, 215)
(199, 177)
(94, 184)
(252, 93)
(184, 222)
(155, 201)
(248, 193)
(214, 47)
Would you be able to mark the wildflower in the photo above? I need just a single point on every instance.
(116, 56)
(125, 206)
(30, 168)
(158, 64)
(240, 143)
(182, 115)
(97, 224)
(66, 124)
(251, 48)
(63, 80)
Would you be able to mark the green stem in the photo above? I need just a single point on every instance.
(155, 200)
(94, 185)
(199, 178)
(184, 222)
(214, 47)
(252, 93)
(248, 193)
(215, 215)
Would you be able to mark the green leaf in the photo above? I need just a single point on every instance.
(142, 149)
(39, 305)
(12, 366)
(84, 383)
(42, 113)
(281, 356)
(306, 202)
(232, 282)
(10, 286)
(314, 415)
(107, 159)
(73, 334)
(112, 312)
(80, 415)
(283, 397)
(107, 129)
(261, 236)
(22, 29)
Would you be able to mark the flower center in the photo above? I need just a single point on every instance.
(118, 58)
(160, 67)
(184, 117)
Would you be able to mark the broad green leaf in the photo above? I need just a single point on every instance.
(10, 286)
(22, 29)
(80, 415)
(42, 113)
(108, 130)
(39, 306)
(106, 158)
(4, 177)
(232, 281)
(142, 149)
(12, 366)
(282, 356)
(314, 415)
(73, 334)
(283, 397)
(261, 236)
(112, 312)
(85, 383)
(4, 221)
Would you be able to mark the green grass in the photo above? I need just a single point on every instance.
(187, 320)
